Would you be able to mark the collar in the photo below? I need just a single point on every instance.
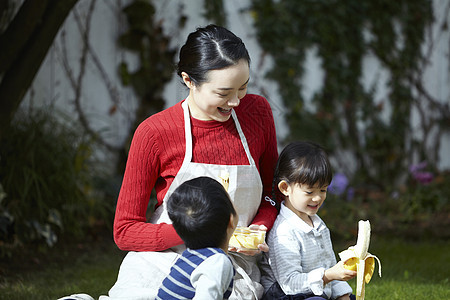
(301, 225)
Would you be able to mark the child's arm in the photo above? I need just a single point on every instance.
(212, 278)
(288, 267)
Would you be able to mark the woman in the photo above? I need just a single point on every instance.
(217, 131)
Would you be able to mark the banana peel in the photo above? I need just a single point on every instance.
(357, 258)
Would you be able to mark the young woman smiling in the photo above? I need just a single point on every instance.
(218, 131)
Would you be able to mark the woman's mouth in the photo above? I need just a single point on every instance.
(225, 112)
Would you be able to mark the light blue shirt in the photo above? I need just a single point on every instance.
(298, 257)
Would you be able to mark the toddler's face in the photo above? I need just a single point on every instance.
(305, 200)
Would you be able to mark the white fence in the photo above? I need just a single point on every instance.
(110, 107)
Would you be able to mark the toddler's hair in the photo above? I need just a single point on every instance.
(200, 211)
(304, 163)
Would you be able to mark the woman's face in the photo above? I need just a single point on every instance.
(214, 99)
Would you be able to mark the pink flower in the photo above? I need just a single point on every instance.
(418, 174)
(423, 177)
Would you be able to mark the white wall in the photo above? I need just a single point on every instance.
(52, 85)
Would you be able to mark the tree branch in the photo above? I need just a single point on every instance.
(18, 78)
(79, 83)
(20, 31)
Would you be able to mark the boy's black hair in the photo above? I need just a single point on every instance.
(303, 163)
(200, 211)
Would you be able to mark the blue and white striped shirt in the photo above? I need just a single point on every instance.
(205, 273)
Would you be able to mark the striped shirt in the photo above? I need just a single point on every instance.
(205, 273)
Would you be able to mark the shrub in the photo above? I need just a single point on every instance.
(48, 173)
(416, 210)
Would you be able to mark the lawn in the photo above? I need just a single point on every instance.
(418, 269)
(71, 268)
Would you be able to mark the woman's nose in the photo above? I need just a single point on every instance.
(234, 101)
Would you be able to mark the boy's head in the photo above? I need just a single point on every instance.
(202, 213)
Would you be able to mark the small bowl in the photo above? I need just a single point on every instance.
(245, 238)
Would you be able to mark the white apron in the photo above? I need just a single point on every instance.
(141, 273)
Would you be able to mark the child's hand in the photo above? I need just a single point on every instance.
(338, 272)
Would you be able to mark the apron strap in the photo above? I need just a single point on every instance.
(187, 158)
(243, 139)
(187, 133)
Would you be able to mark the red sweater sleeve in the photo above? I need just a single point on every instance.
(131, 231)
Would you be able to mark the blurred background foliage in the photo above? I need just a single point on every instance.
(52, 185)
(343, 115)
(146, 38)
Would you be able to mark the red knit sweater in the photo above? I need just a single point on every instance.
(157, 152)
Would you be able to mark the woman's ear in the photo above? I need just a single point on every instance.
(284, 187)
(187, 80)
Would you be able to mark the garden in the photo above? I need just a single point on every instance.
(58, 195)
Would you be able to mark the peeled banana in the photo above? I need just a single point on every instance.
(357, 258)
(245, 238)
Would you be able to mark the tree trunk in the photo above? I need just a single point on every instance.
(25, 44)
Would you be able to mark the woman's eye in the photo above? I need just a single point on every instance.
(323, 191)
(222, 95)
(309, 193)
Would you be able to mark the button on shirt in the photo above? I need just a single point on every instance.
(299, 255)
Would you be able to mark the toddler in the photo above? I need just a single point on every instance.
(301, 263)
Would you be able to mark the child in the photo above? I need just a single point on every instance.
(204, 217)
(301, 263)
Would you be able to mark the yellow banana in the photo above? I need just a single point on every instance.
(357, 258)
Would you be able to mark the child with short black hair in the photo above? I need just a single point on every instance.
(204, 217)
(301, 263)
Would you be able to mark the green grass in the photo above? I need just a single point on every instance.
(90, 269)
(417, 269)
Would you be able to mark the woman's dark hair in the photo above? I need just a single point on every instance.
(210, 48)
(200, 211)
(304, 163)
